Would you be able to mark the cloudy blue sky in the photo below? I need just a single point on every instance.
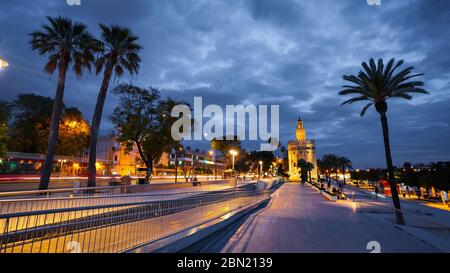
(287, 52)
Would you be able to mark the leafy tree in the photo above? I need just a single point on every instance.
(225, 145)
(266, 157)
(31, 122)
(144, 121)
(376, 84)
(65, 43)
(119, 53)
(73, 135)
(243, 164)
(30, 128)
(5, 113)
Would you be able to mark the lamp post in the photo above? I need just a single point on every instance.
(176, 163)
(233, 154)
(213, 158)
(260, 168)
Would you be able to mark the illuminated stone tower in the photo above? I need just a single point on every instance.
(301, 148)
(301, 132)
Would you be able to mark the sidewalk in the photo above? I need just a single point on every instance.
(299, 220)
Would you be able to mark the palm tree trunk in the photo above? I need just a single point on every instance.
(387, 149)
(96, 120)
(58, 106)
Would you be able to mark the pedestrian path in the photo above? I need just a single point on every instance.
(300, 220)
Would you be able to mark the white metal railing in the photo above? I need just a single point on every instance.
(115, 227)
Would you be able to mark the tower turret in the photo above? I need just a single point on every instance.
(300, 132)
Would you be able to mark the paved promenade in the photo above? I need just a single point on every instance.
(300, 220)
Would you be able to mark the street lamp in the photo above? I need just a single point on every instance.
(176, 162)
(260, 168)
(211, 153)
(3, 64)
(233, 153)
(61, 166)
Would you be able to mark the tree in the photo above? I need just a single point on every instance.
(31, 122)
(225, 145)
(144, 121)
(64, 42)
(344, 163)
(305, 169)
(266, 157)
(73, 137)
(5, 113)
(30, 127)
(376, 84)
(120, 52)
(330, 161)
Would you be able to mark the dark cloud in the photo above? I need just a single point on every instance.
(289, 52)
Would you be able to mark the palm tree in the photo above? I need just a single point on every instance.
(376, 84)
(345, 164)
(65, 42)
(331, 162)
(120, 52)
(305, 169)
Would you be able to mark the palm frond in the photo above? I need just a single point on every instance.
(364, 110)
(65, 41)
(353, 100)
(376, 83)
(120, 49)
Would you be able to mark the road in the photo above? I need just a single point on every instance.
(300, 220)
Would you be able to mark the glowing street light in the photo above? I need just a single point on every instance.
(213, 158)
(233, 153)
(260, 168)
(3, 63)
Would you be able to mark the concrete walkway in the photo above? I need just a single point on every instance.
(300, 220)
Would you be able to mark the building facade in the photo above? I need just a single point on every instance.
(115, 160)
(301, 148)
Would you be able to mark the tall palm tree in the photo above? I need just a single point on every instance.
(344, 164)
(376, 84)
(331, 162)
(65, 43)
(120, 52)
